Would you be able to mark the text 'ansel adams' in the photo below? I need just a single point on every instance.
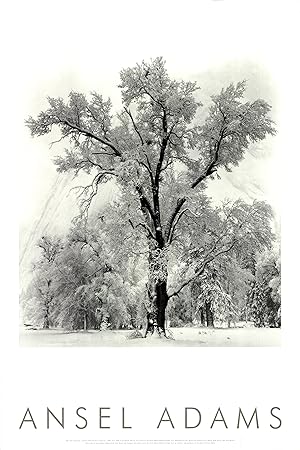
(191, 418)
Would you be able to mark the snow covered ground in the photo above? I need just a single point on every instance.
(183, 337)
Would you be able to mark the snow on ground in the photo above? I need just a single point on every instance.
(183, 337)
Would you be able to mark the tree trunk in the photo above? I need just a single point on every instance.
(157, 298)
(162, 301)
(46, 322)
(209, 315)
(156, 316)
(85, 321)
(202, 316)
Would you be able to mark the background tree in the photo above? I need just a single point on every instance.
(161, 152)
(39, 301)
(87, 283)
(231, 231)
(263, 297)
(212, 301)
(85, 286)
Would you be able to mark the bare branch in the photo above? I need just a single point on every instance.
(60, 139)
(147, 228)
(163, 147)
(171, 236)
(166, 166)
(143, 225)
(188, 281)
(180, 203)
(148, 170)
(211, 167)
(145, 202)
(134, 125)
(92, 135)
(91, 191)
(103, 153)
(201, 269)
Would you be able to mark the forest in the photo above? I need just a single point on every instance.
(161, 253)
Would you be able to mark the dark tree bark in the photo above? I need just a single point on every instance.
(157, 297)
(151, 324)
(156, 315)
(162, 302)
(48, 300)
(202, 316)
(209, 315)
(46, 321)
(85, 321)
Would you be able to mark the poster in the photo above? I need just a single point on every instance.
(150, 396)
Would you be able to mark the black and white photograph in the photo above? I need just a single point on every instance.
(155, 203)
(172, 236)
